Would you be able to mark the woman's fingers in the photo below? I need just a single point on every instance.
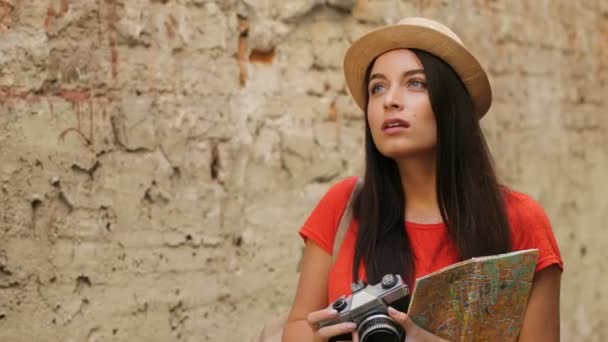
(337, 329)
(322, 315)
(413, 331)
(331, 330)
(402, 319)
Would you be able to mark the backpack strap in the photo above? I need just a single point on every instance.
(345, 221)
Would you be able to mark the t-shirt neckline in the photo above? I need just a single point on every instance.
(416, 225)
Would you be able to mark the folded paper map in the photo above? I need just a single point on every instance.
(480, 299)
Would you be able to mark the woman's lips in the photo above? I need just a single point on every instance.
(394, 125)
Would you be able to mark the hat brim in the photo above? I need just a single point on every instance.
(405, 36)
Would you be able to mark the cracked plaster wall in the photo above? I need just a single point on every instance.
(158, 157)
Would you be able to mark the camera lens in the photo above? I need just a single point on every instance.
(380, 328)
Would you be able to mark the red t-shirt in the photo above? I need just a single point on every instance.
(432, 247)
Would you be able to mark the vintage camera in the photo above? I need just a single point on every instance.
(367, 307)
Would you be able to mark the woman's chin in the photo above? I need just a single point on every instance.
(397, 153)
(405, 152)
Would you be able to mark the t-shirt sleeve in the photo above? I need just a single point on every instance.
(531, 228)
(322, 224)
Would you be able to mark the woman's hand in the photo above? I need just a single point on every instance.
(327, 332)
(413, 332)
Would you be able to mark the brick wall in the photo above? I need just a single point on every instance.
(158, 157)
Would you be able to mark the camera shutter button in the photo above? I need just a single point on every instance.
(389, 281)
(339, 304)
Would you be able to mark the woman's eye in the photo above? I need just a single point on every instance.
(417, 84)
(376, 88)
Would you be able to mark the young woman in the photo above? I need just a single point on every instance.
(430, 196)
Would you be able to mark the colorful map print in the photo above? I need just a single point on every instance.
(481, 299)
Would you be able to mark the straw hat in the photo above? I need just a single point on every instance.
(423, 34)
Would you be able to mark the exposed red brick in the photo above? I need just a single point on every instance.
(261, 56)
(75, 96)
(243, 26)
(242, 59)
(242, 50)
(5, 11)
(170, 27)
(114, 60)
(603, 45)
(332, 115)
(359, 7)
(65, 7)
(99, 21)
(112, 20)
(9, 93)
(50, 16)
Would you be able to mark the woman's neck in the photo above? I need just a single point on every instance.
(419, 180)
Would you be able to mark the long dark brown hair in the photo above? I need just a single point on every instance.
(469, 195)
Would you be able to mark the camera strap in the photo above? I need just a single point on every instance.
(347, 215)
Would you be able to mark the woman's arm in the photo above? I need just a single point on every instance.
(311, 294)
(541, 321)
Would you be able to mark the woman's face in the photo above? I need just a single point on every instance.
(399, 111)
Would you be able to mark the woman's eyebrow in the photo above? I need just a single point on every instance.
(405, 74)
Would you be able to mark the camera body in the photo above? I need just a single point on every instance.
(367, 307)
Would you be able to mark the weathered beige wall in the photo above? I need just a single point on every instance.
(157, 157)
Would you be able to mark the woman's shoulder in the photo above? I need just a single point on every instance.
(340, 191)
(531, 228)
(321, 225)
(346, 183)
(332, 203)
(524, 210)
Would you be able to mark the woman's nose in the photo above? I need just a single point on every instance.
(392, 100)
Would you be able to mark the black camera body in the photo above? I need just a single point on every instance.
(367, 307)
